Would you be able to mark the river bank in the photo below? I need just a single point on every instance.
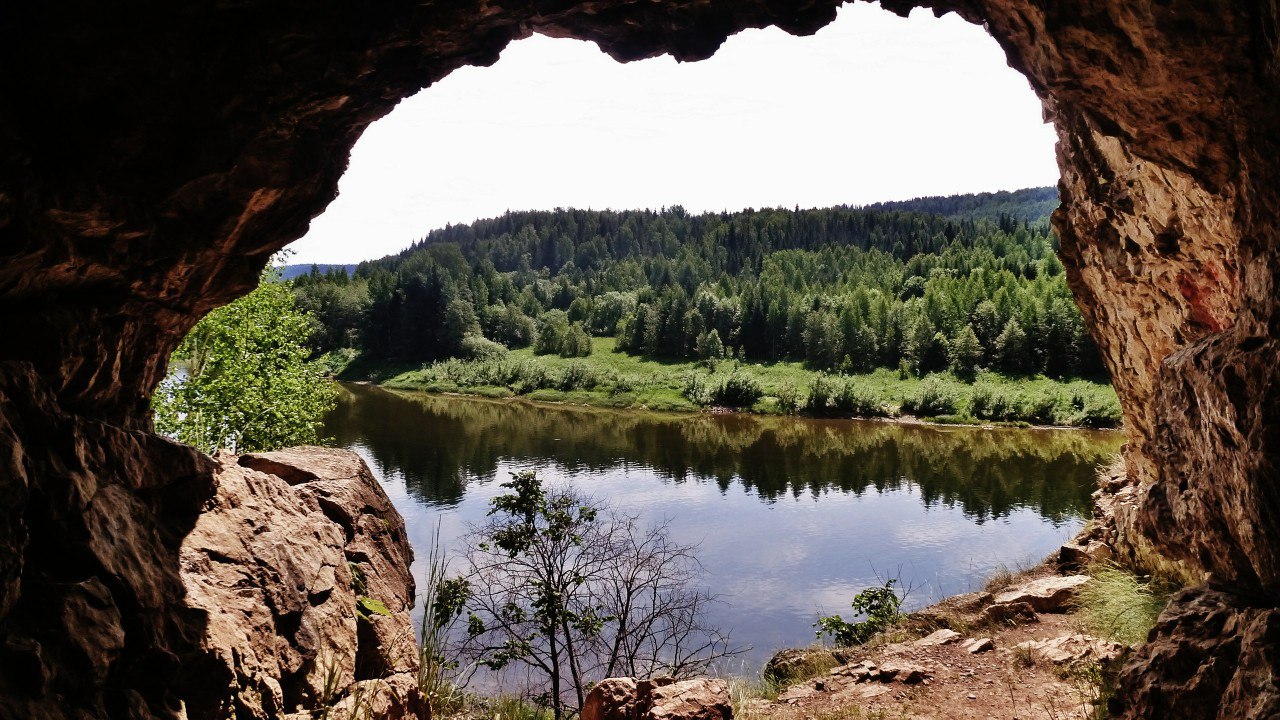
(612, 379)
(1047, 641)
(1025, 646)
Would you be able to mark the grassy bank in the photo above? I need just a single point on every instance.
(620, 380)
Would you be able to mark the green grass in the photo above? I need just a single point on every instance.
(615, 379)
(743, 691)
(1120, 606)
(510, 707)
(805, 664)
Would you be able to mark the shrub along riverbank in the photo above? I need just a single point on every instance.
(621, 380)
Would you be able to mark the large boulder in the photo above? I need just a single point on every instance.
(794, 664)
(695, 699)
(1012, 613)
(611, 699)
(276, 566)
(376, 545)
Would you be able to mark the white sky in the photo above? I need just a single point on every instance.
(873, 107)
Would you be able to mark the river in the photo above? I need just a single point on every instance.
(792, 516)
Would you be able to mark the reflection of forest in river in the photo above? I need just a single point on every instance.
(439, 442)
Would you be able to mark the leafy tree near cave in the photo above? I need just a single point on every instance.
(245, 383)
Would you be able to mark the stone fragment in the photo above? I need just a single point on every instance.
(1076, 554)
(873, 691)
(975, 646)
(859, 672)
(940, 637)
(1070, 649)
(904, 672)
(795, 693)
(970, 602)
(1047, 594)
(1009, 614)
(392, 698)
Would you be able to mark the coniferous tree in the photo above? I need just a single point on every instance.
(1013, 349)
(966, 353)
(709, 346)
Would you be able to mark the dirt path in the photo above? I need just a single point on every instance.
(1006, 654)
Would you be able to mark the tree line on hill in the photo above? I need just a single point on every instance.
(844, 289)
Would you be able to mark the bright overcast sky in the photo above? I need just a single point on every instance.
(873, 107)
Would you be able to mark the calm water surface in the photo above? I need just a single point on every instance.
(792, 516)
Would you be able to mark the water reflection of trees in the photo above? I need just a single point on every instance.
(439, 442)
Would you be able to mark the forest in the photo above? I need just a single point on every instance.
(961, 285)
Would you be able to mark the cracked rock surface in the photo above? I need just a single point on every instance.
(276, 565)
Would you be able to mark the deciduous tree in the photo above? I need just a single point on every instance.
(244, 382)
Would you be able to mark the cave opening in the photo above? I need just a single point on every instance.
(848, 126)
(155, 160)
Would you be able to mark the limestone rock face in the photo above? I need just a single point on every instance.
(152, 160)
(91, 622)
(276, 564)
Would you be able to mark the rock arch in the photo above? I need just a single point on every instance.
(154, 155)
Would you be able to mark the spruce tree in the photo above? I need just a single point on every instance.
(966, 353)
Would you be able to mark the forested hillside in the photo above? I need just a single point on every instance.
(1031, 205)
(977, 285)
(289, 272)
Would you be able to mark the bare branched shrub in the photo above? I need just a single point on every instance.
(571, 592)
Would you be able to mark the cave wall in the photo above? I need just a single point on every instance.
(154, 155)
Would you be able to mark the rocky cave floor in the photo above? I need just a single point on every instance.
(1015, 650)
